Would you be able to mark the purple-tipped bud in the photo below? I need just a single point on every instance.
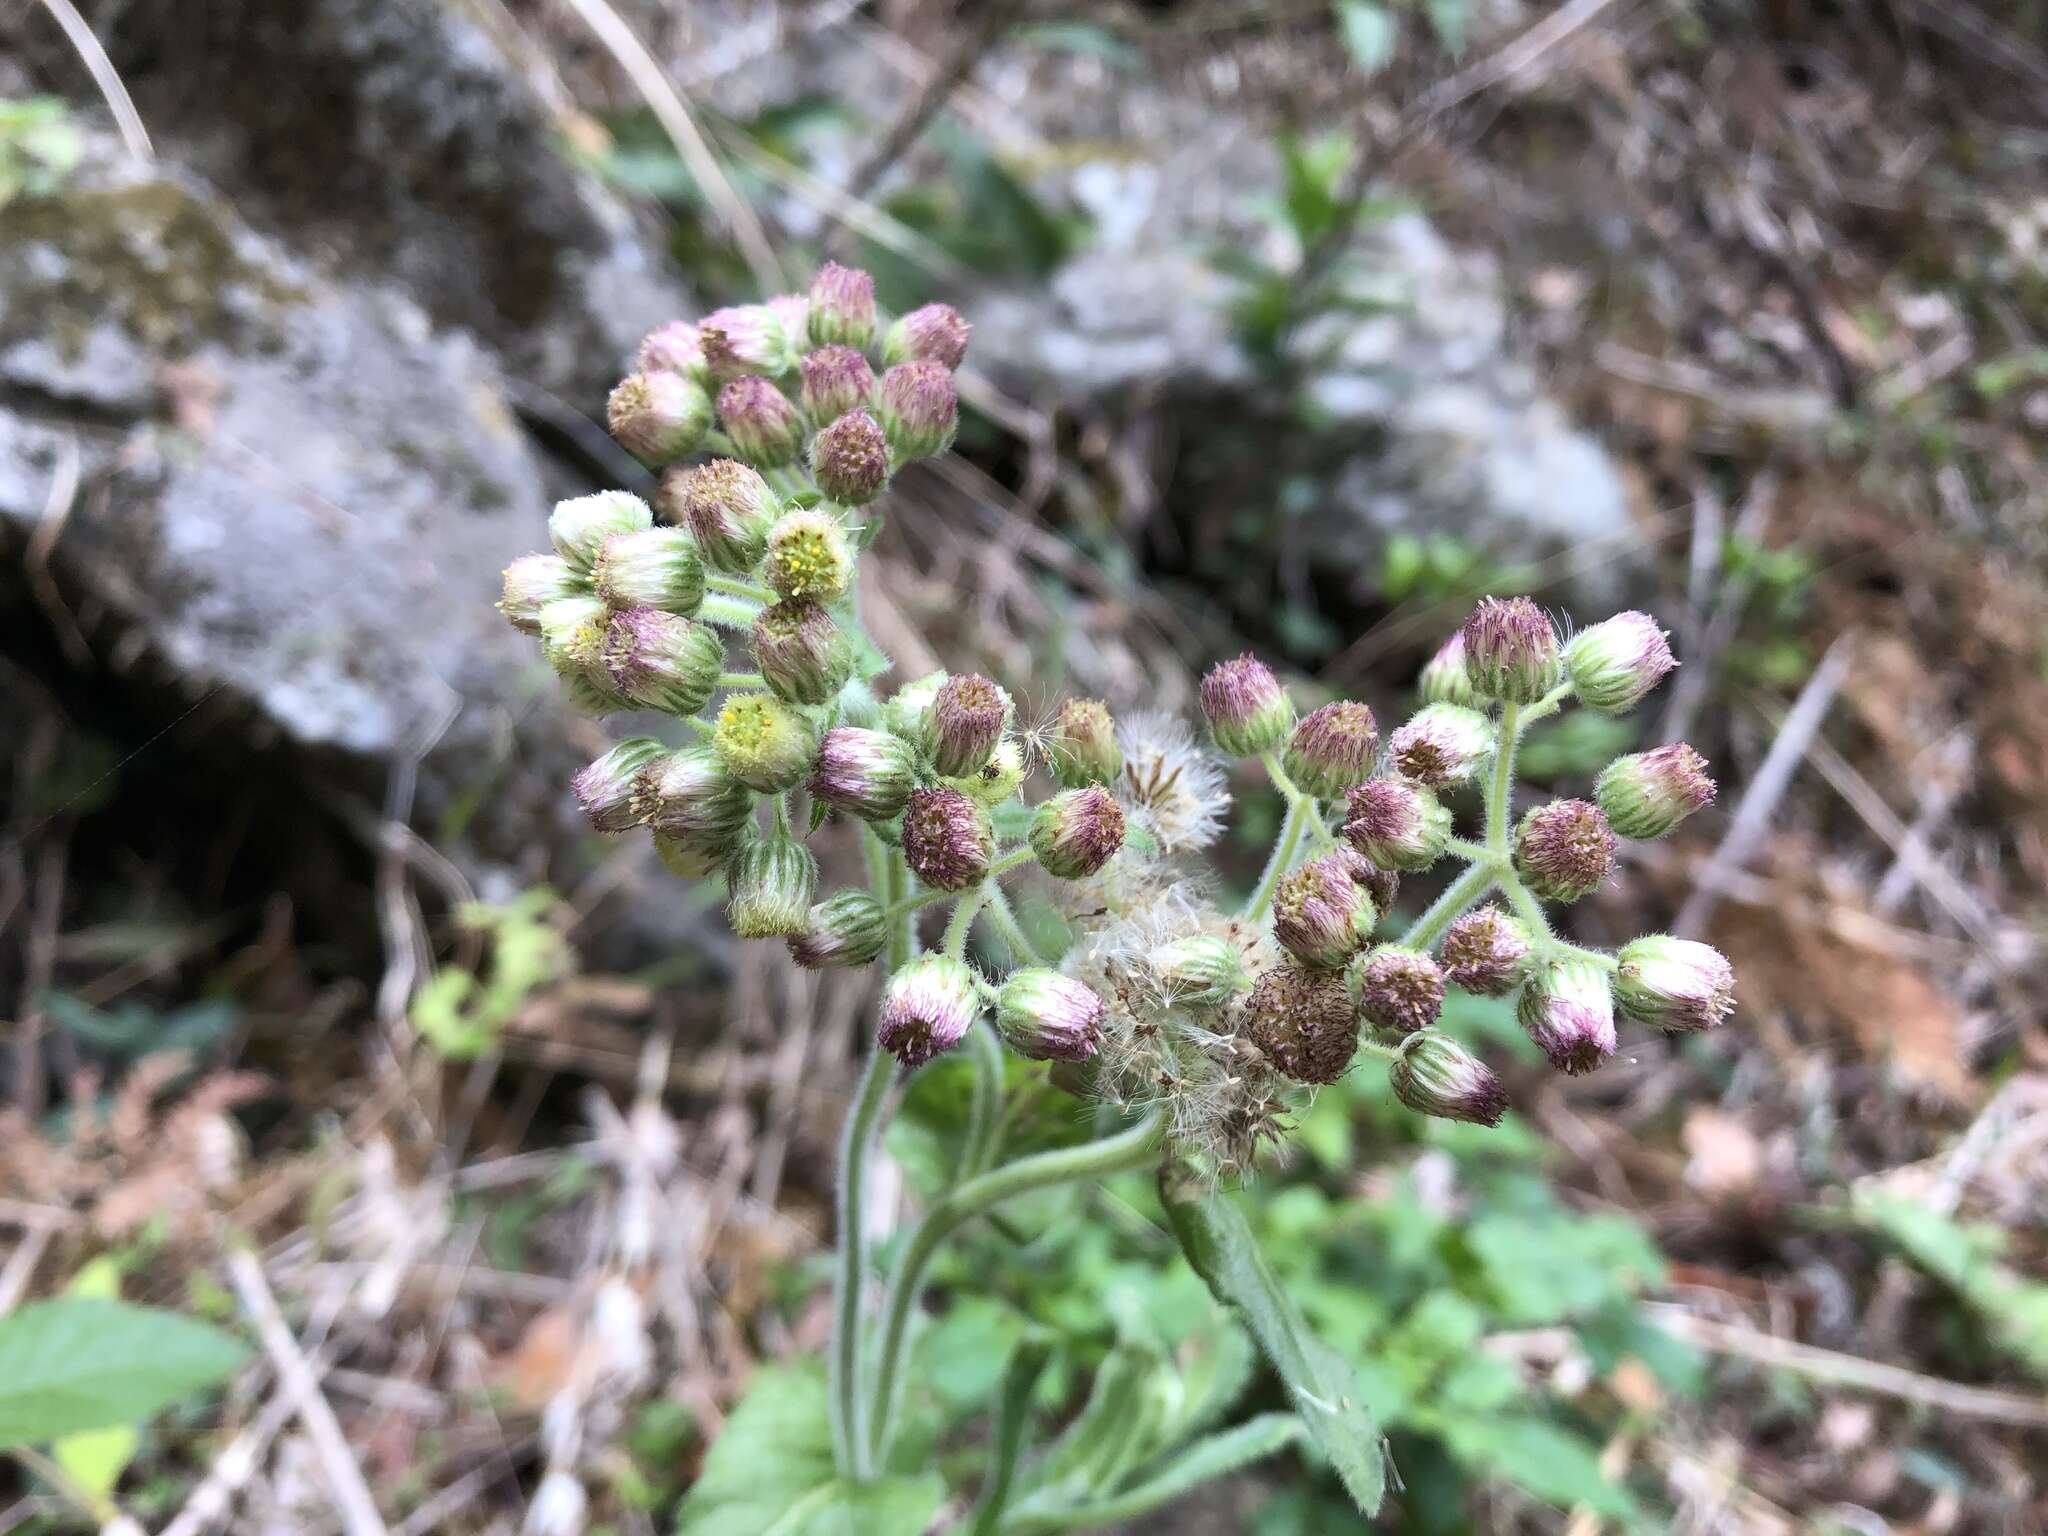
(1444, 678)
(1617, 661)
(769, 884)
(1081, 746)
(1649, 793)
(967, 718)
(1442, 744)
(1399, 989)
(1304, 1021)
(1487, 952)
(947, 840)
(1045, 1016)
(1564, 849)
(808, 556)
(532, 582)
(1674, 984)
(1436, 1076)
(605, 788)
(764, 743)
(850, 459)
(935, 333)
(1567, 1009)
(842, 306)
(1332, 749)
(579, 526)
(654, 568)
(846, 931)
(763, 425)
(927, 1008)
(868, 774)
(1321, 916)
(835, 380)
(803, 655)
(692, 798)
(1382, 885)
(672, 348)
(745, 339)
(1247, 709)
(1076, 832)
(658, 417)
(728, 509)
(917, 408)
(1397, 825)
(1203, 970)
(662, 660)
(1511, 651)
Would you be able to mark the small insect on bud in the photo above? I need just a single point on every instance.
(1332, 749)
(1487, 952)
(763, 742)
(968, 716)
(672, 348)
(803, 655)
(769, 885)
(658, 417)
(531, 582)
(1436, 1076)
(1247, 709)
(1081, 746)
(842, 306)
(1441, 745)
(1397, 825)
(1399, 989)
(572, 636)
(834, 380)
(1647, 794)
(995, 780)
(935, 333)
(927, 1008)
(1203, 970)
(745, 339)
(1617, 661)
(850, 460)
(579, 526)
(1674, 984)
(1321, 916)
(1511, 651)
(1045, 1016)
(763, 425)
(653, 568)
(1444, 678)
(1304, 1021)
(1567, 1009)
(662, 660)
(1076, 832)
(868, 774)
(692, 798)
(1564, 849)
(728, 509)
(917, 409)
(846, 931)
(605, 788)
(947, 840)
(808, 556)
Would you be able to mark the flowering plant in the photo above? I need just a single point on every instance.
(1197, 1028)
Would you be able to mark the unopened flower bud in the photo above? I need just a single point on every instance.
(1399, 989)
(672, 348)
(935, 333)
(1436, 1076)
(1203, 970)
(763, 425)
(728, 509)
(1511, 651)
(579, 526)
(995, 780)
(1487, 952)
(868, 774)
(1081, 745)
(767, 744)
(658, 417)
(605, 788)
(910, 706)
(1076, 832)
(745, 339)
(927, 1008)
(842, 306)
(947, 840)
(803, 655)
(769, 883)
(653, 568)
(587, 693)
(1614, 663)
(692, 798)
(1567, 1009)
(847, 930)
(794, 311)
(1304, 1021)
(1444, 678)
(1332, 749)
(662, 660)
(1674, 984)
(689, 858)
(1397, 825)
(834, 380)
(1647, 794)
(968, 716)
(850, 459)
(1045, 1016)
(917, 409)
(1442, 744)
(1564, 849)
(1321, 915)
(1247, 709)
(532, 581)
(572, 635)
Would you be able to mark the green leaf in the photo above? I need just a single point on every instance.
(1206, 1460)
(1322, 1385)
(81, 1363)
(2014, 1309)
(95, 1458)
(1369, 32)
(1539, 1458)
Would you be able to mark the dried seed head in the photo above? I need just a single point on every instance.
(579, 526)
(935, 333)
(842, 306)
(658, 417)
(1434, 1075)
(1081, 744)
(662, 660)
(1487, 952)
(1647, 794)
(968, 716)
(1399, 989)
(947, 840)
(803, 656)
(1511, 651)
(1674, 984)
(1303, 1020)
(1076, 832)
(918, 410)
(605, 788)
(1617, 661)
(652, 568)
(745, 339)
(1333, 749)
(1564, 849)
(808, 556)
(765, 744)
(1045, 1016)
(847, 930)
(1442, 744)
(764, 427)
(1568, 1010)
(1169, 786)
(532, 581)
(868, 774)
(672, 348)
(1445, 679)
(1202, 970)
(1247, 709)
(1321, 915)
(1397, 825)
(927, 1008)
(770, 882)
(850, 459)
(728, 509)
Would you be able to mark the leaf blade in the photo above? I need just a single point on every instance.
(83, 1363)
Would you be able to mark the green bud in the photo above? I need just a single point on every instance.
(1081, 747)
(847, 930)
(654, 568)
(808, 556)
(579, 526)
(766, 744)
(770, 882)
(1076, 832)
(803, 656)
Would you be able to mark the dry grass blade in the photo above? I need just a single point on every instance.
(133, 135)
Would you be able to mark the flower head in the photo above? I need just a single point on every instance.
(808, 556)
(998, 778)
(1397, 825)
(1647, 794)
(1321, 915)
(803, 656)
(846, 930)
(579, 526)
(763, 425)
(769, 883)
(1487, 952)
(935, 333)
(1564, 849)
(605, 788)
(1247, 709)
(1399, 989)
(727, 507)
(692, 798)
(947, 840)
(1614, 663)
(1674, 984)
(1076, 832)
(1080, 745)
(865, 773)
(1511, 651)
(572, 637)
(842, 306)
(1442, 744)
(850, 459)
(650, 568)
(659, 416)
(745, 339)
(1332, 749)
(918, 409)
(968, 716)
(532, 581)
(1567, 1009)
(1045, 1016)
(1169, 786)
(1382, 885)
(1434, 1075)
(672, 348)
(1304, 1022)
(1445, 679)
(662, 660)
(833, 381)
(765, 744)
(927, 1008)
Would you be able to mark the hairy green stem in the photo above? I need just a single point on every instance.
(850, 1436)
(961, 923)
(1294, 794)
(1022, 950)
(984, 1119)
(1298, 813)
(741, 680)
(1475, 882)
(732, 586)
(1500, 793)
